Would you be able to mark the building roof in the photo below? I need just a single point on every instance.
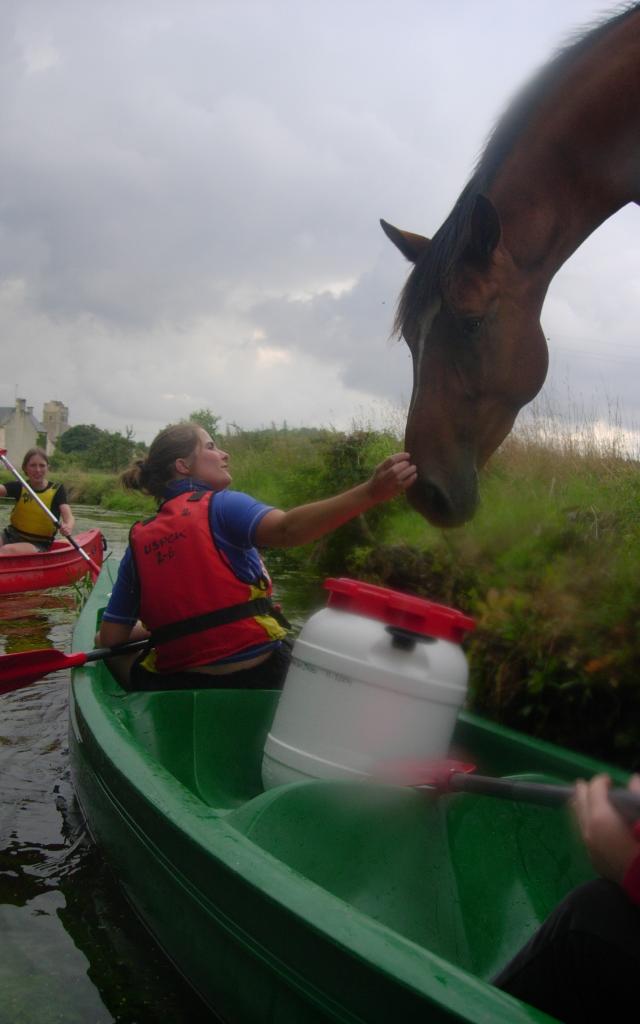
(6, 412)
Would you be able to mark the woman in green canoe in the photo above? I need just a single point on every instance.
(193, 573)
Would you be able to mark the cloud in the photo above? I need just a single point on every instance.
(191, 195)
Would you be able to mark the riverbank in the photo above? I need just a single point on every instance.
(550, 568)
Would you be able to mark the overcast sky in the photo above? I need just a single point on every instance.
(191, 192)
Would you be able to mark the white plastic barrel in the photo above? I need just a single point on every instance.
(377, 675)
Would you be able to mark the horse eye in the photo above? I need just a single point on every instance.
(471, 324)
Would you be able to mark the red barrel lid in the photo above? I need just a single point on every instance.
(398, 609)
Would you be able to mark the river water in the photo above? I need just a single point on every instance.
(71, 949)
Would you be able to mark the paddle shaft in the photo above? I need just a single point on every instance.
(18, 670)
(47, 511)
(100, 653)
(626, 803)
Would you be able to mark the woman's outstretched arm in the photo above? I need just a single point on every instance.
(279, 529)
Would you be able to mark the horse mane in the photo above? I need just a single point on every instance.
(424, 282)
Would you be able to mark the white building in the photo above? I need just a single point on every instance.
(21, 430)
(55, 420)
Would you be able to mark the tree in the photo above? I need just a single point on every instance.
(205, 419)
(78, 439)
(112, 451)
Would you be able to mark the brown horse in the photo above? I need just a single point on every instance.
(563, 159)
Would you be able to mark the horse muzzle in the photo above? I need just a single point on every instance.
(445, 506)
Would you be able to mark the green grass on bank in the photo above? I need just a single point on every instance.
(550, 569)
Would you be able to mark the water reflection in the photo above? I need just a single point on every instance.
(72, 949)
(28, 620)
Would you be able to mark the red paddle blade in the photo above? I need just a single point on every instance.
(417, 772)
(18, 670)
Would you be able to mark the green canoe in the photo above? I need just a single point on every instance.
(315, 901)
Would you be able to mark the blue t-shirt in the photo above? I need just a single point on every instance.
(234, 517)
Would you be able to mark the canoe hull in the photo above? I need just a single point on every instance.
(251, 959)
(287, 907)
(58, 567)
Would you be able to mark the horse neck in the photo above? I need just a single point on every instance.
(577, 161)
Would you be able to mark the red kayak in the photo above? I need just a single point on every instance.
(60, 565)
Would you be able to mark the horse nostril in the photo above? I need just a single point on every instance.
(438, 501)
(438, 506)
(431, 502)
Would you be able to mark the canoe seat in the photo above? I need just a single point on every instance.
(210, 740)
(470, 877)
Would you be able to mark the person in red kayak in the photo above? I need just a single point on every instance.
(30, 529)
(193, 573)
(582, 965)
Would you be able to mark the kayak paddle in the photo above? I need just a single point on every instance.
(18, 670)
(95, 568)
(457, 776)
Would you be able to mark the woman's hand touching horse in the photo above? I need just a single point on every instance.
(392, 477)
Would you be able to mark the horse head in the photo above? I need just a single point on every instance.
(470, 317)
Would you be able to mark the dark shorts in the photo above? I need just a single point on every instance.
(582, 965)
(13, 536)
(268, 675)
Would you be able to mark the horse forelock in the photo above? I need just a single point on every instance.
(424, 285)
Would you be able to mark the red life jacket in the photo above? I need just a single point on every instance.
(194, 605)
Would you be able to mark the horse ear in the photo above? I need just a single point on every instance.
(411, 246)
(485, 229)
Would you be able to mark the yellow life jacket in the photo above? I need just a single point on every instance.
(28, 518)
